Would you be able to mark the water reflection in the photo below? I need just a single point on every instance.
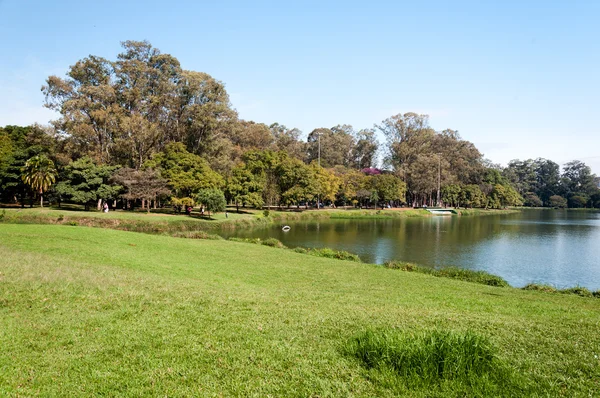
(557, 247)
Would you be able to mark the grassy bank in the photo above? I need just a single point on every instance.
(87, 311)
(170, 224)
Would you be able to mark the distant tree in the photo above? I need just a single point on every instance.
(212, 199)
(122, 111)
(20, 144)
(388, 187)
(472, 196)
(557, 201)
(548, 179)
(39, 173)
(145, 185)
(363, 196)
(595, 200)
(185, 172)
(503, 196)
(451, 194)
(288, 140)
(577, 179)
(522, 175)
(244, 188)
(364, 152)
(577, 201)
(336, 146)
(351, 181)
(87, 183)
(532, 200)
(249, 135)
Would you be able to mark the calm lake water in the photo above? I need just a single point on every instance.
(557, 247)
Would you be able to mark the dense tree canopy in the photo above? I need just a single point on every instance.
(142, 128)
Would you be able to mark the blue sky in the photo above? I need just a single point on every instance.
(520, 79)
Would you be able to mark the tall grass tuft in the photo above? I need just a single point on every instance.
(540, 287)
(429, 358)
(467, 275)
(337, 254)
(578, 290)
(272, 242)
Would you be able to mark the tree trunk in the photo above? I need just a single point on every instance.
(99, 205)
(41, 199)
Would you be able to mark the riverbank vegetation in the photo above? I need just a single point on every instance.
(141, 131)
(96, 311)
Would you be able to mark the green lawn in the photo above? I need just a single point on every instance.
(89, 311)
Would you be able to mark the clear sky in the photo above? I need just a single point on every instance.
(520, 79)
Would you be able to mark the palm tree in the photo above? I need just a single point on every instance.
(39, 173)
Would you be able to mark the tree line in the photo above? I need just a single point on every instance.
(144, 131)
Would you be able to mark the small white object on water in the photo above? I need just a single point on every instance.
(286, 228)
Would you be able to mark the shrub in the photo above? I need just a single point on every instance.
(596, 294)
(466, 275)
(330, 253)
(431, 357)
(482, 277)
(197, 235)
(401, 266)
(266, 213)
(540, 287)
(578, 290)
(272, 242)
(2, 215)
(300, 250)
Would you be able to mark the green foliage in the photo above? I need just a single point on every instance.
(212, 199)
(466, 275)
(337, 254)
(103, 102)
(577, 290)
(185, 172)
(472, 196)
(387, 187)
(557, 201)
(39, 173)
(466, 361)
(402, 266)
(577, 201)
(532, 200)
(451, 194)
(86, 182)
(266, 213)
(540, 287)
(504, 196)
(244, 187)
(196, 235)
(272, 242)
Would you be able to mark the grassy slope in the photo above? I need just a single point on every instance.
(175, 223)
(89, 311)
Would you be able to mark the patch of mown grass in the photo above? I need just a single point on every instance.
(98, 312)
(481, 277)
(461, 362)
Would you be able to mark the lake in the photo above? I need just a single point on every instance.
(557, 247)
